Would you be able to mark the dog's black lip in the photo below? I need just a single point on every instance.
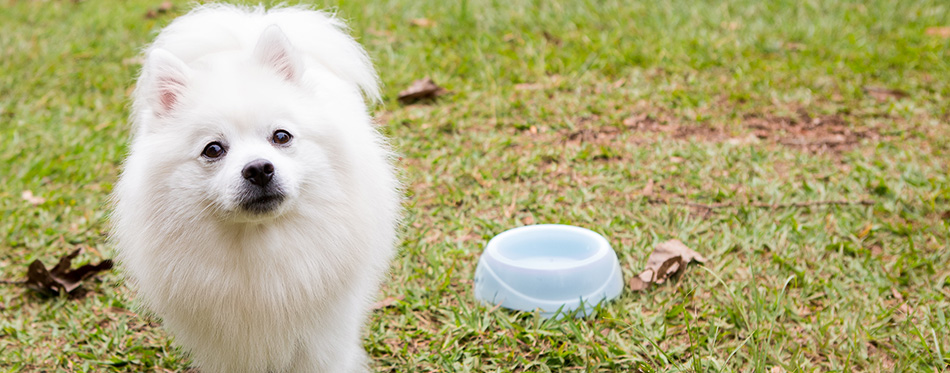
(263, 203)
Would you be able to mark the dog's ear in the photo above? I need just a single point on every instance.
(274, 51)
(168, 79)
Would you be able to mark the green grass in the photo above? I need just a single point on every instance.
(740, 103)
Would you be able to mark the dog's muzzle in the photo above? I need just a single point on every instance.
(261, 193)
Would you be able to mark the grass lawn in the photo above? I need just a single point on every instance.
(715, 123)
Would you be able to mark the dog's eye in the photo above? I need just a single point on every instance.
(281, 137)
(213, 150)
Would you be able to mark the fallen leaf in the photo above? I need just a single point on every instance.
(667, 259)
(641, 281)
(421, 89)
(388, 302)
(162, 8)
(61, 278)
(942, 31)
(422, 22)
(884, 94)
(669, 267)
(33, 200)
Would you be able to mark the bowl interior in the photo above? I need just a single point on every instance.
(548, 248)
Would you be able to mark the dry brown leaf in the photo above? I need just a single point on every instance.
(884, 94)
(669, 267)
(942, 31)
(62, 278)
(28, 196)
(162, 8)
(421, 89)
(641, 281)
(422, 22)
(667, 259)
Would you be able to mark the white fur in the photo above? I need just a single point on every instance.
(282, 291)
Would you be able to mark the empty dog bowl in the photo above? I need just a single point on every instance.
(548, 267)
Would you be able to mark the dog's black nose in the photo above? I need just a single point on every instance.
(258, 172)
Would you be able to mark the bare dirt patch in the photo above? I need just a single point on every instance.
(640, 128)
(676, 129)
(834, 132)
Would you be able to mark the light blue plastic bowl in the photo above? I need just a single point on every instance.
(548, 267)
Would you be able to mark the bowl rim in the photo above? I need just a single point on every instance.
(602, 247)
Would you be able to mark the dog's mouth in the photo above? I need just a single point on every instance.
(262, 203)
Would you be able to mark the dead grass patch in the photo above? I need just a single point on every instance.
(826, 133)
(821, 133)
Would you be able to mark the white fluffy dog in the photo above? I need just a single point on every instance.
(257, 209)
